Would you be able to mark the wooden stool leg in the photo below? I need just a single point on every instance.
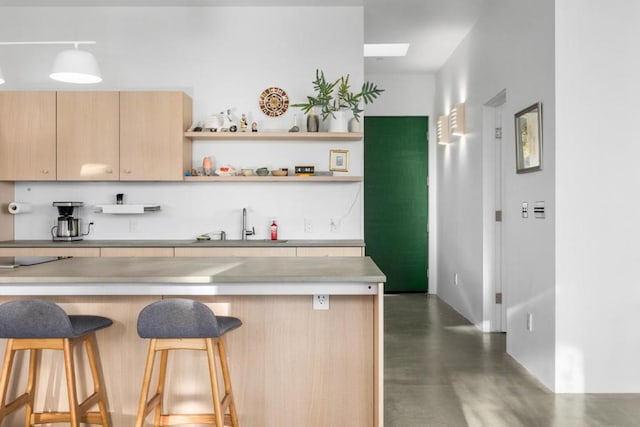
(91, 346)
(219, 416)
(146, 383)
(162, 376)
(31, 386)
(227, 382)
(5, 377)
(25, 399)
(69, 367)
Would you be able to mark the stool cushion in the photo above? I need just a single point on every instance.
(43, 319)
(183, 318)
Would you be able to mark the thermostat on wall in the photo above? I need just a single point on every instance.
(305, 170)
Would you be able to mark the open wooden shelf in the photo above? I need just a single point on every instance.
(275, 136)
(273, 178)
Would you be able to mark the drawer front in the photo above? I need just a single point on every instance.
(131, 252)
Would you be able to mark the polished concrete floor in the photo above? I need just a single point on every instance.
(441, 371)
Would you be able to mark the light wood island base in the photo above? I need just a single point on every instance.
(290, 365)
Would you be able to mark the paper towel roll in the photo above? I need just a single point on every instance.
(19, 208)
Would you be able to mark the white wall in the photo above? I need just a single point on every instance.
(503, 51)
(597, 191)
(404, 94)
(224, 57)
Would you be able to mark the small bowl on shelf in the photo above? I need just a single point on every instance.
(279, 172)
(262, 171)
(246, 172)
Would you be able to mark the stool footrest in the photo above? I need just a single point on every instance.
(178, 419)
(62, 417)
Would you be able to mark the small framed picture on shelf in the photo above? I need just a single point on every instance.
(339, 160)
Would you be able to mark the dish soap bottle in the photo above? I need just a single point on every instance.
(274, 230)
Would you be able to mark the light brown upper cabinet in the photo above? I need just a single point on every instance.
(27, 136)
(152, 142)
(88, 136)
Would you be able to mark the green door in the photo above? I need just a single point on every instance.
(395, 199)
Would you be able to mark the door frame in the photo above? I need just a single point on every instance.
(494, 317)
(427, 185)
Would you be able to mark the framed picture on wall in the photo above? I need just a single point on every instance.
(339, 160)
(528, 127)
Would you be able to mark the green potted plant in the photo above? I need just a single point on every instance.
(333, 97)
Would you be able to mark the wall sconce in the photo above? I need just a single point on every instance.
(442, 130)
(457, 120)
(71, 65)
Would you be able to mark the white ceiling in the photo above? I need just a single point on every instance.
(433, 27)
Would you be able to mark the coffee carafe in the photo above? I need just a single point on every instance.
(67, 228)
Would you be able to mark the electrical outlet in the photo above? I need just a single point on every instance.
(321, 302)
(307, 225)
(529, 322)
(133, 226)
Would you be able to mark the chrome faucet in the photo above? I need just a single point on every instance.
(246, 232)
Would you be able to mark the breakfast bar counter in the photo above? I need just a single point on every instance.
(291, 365)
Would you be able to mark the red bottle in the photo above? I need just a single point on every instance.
(274, 230)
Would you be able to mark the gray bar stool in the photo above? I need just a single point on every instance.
(183, 324)
(37, 325)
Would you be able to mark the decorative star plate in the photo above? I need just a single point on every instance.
(274, 101)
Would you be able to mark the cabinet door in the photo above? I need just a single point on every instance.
(45, 252)
(88, 136)
(27, 136)
(152, 142)
(326, 251)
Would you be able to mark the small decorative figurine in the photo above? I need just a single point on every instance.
(243, 123)
(254, 127)
(207, 166)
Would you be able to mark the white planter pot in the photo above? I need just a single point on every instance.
(339, 123)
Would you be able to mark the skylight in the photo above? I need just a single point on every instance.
(386, 49)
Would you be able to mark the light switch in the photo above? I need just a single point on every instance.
(539, 210)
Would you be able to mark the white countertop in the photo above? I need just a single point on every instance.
(178, 243)
(196, 276)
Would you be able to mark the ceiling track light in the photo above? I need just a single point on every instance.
(71, 65)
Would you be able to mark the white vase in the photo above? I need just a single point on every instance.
(354, 125)
(339, 123)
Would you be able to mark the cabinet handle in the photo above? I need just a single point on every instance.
(127, 171)
(109, 171)
(45, 171)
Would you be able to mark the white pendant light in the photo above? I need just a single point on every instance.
(69, 66)
(76, 66)
(1, 77)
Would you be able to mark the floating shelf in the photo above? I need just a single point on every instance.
(127, 209)
(275, 136)
(273, 178)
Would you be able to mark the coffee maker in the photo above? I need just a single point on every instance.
(68, 229)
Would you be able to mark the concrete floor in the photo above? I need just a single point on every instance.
(441, 371)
